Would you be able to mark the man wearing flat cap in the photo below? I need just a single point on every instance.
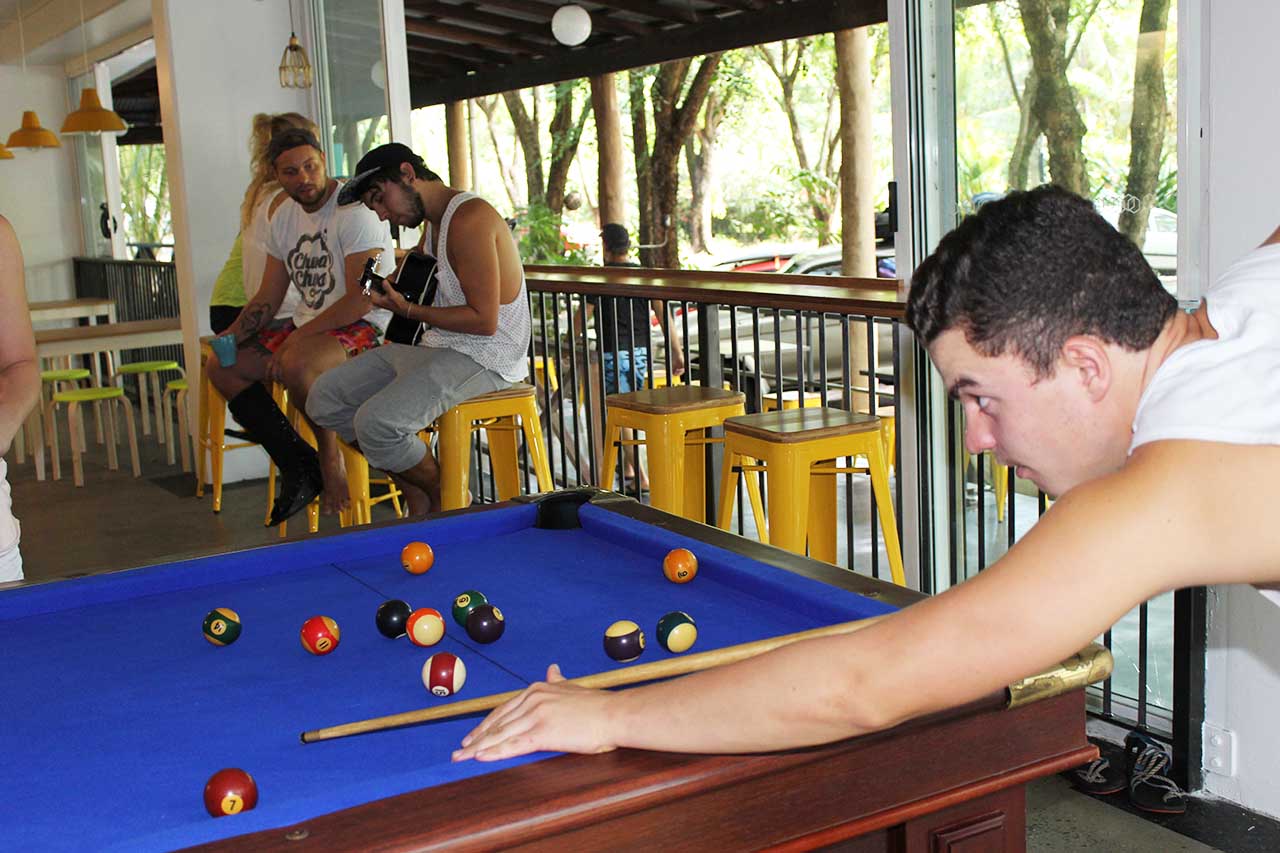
(477, 327)
(319, 249)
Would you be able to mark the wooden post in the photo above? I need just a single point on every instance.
(455, 124)
(604, 102)
(857, 205)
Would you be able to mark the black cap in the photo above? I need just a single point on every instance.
(390, 155)
(615, 237)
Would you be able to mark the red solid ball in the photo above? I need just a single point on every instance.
(230, 791)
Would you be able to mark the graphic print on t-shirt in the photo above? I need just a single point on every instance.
(310, 266)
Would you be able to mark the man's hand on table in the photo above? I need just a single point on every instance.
(548, 716)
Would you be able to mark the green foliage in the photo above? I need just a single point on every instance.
(144, 194)
(538, 229)
(773, 215)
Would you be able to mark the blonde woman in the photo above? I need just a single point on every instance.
(261, 198)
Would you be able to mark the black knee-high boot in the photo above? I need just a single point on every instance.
(299, 465)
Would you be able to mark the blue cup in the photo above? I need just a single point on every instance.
(224, 346)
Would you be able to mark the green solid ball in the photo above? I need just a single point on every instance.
(676, 631)
(465, 603)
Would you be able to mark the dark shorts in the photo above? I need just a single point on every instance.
(617, 370)
(222, 316)
(355, 338)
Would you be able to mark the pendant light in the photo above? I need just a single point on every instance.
(295, 67)
(92, 117)
(5, 153)
(31, 134)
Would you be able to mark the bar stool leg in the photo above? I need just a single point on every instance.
(167, 432)
(133, 436)
(533, 439)
(788, 480)
(184, 439)
(35, 424)
(666, 479)
(142, 403)
(51, 438)
(884, 507)
(217, 420)
(695, 476)
(728, 488)
(157, 399)
(822, 512)
(455, 459)
(77, 464)
(111, 434)
(502, 457)
(203, 390)
(612, 435)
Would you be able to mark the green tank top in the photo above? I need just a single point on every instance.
(228, 288)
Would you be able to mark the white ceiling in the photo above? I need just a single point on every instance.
(122, 16)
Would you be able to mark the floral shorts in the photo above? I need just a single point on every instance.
(355, 338)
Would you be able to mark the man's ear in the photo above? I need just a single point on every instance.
(1089, 359)
(407, 173)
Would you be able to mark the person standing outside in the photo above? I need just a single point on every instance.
(19, 385)
(477, 328)
(318, 249)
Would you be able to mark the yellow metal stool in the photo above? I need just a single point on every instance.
(75, 428)
(798, 449)
(359, 487)
(999, 482)
(791, 400)
(501, 414)
(674, 420)
(211, 436)
(175, 390)
(147, 372)
(544, 372)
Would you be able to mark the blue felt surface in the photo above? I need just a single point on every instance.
(117, 710)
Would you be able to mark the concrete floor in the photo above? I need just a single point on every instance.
(116, 522)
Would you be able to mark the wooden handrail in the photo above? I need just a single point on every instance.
(874, 297)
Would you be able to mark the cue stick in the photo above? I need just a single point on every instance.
(609, 678)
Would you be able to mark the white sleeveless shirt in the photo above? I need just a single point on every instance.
(8, 524)
(1227, 389)
(506, 351)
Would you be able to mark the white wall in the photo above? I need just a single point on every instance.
(217, 66)
(38, 188)
(1240, 65)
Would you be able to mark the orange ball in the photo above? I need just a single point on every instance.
(417, 558)
(680, 566)
(319, 635)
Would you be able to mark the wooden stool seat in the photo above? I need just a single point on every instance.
(674, 420)
(73, 398)
(798, 449)
(501, 414)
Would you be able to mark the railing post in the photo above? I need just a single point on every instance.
(711, 375)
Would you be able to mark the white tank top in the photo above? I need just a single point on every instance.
(8, 525)
(506, 352)
(1224, 390)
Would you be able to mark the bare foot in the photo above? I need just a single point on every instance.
(335, 497)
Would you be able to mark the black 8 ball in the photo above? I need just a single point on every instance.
(392, 617)
(485, 624)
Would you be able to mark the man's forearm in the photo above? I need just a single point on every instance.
(254, 317)
(456, 318)
(19, 393)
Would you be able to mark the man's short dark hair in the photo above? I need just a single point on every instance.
(615, 238)
(1032, 269)
(286, 140)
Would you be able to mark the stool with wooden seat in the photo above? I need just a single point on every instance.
(798, 449)
(75, 428)
(791, 400)
(32, 433)
(674, 420)
(501, 414)
(147, 371)
(175, 390)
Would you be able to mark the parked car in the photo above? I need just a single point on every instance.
(1161, 243)
(825, 260)
(763, 257)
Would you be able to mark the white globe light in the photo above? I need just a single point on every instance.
(571, 25)
(378, 73)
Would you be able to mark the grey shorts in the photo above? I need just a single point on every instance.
(383, 397)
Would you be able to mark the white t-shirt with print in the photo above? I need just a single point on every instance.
(1224, 389)
(314, 247)
(253, 255)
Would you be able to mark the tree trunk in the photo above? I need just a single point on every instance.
(858, 228)
(1147, 126)
(1028, 134)
(566, 132)
(455, 124)
(527, 133)
(640, 149)
(488, 105)
(1045, 24)
(610, 189)
(700, 150)
(674, 122)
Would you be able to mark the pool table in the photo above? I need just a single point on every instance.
(117, 710)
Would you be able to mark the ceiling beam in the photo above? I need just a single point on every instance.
(544, 11)
(466, 35)
(475, 57)
(777, 21)
(470, 14)
(652, 9)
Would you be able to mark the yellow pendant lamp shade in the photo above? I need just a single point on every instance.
(92, 117)
(5, 153)
(32, 135)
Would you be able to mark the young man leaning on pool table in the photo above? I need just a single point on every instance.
(1158, 429)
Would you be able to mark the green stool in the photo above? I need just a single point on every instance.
(31, 432)
(112, 394)
(147, 370)
(176, 390)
